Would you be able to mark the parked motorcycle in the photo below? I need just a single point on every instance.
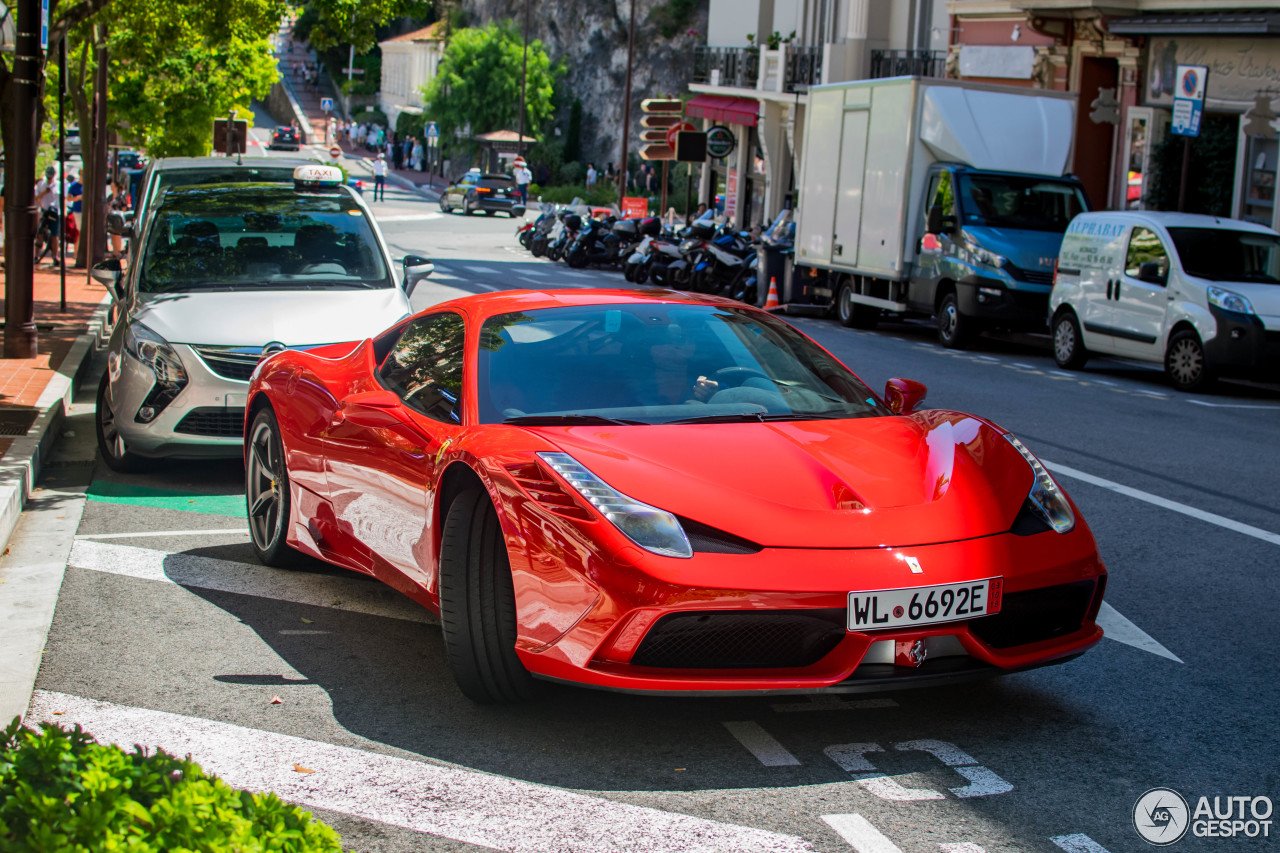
(726, 264)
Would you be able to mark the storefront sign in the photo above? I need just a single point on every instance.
(1188, 99)
(634, 208)
(721, 141)
(1007, 62)
(1238, 69)
(731, 195)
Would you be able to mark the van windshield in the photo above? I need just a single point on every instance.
(1219, 254)
(1019, 201)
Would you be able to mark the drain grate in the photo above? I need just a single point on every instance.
(15, 422)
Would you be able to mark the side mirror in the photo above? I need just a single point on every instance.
(904, 396)
(108, 273)
(120, 223)
(1150, 273)
(938, 223)
(416, 268)
(369, 409)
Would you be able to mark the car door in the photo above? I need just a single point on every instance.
(1139, 297)
(1101, 262)
(382, 458)
(932, 250)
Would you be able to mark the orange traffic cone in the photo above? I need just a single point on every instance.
(771, 301)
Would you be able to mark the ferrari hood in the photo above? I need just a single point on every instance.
(254, 318)
(930, 477)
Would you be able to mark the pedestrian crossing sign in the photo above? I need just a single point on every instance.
(326, 104)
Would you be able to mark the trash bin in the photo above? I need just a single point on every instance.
(774, 257)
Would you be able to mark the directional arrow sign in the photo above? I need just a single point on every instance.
(657, 152)
(659, 136)
(661, 121)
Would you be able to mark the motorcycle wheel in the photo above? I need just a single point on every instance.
(698, 281)
(748, 291)
(629, 272)
(641, 274)
(576, 259)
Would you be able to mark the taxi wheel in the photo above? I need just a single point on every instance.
(478, 604)
(1185, 363)
(490, 212)
(1068, 344)
(267, 494)
(111, 446)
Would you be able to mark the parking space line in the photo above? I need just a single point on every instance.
(860, 834)
(761, 744)
(1116, 627)
(141, 533)
(826, 702)
(1165, 503)
(1078, 843)
(437, 799)
(963, 847)
(481, 270)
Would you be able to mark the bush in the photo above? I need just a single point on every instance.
(60, 790)
(371, 115)
(602, 196)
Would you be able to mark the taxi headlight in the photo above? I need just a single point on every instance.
(1045, 499)
(1229, 300)
(153, 351)
(651, 528)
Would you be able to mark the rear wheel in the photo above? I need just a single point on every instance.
(853, 314)
(1068, 343)
(111, 444)
(267, 493)
(1185, 363)
(954, 329)
(477, 604)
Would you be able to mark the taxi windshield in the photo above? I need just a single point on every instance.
(656, 363)
(254, 236)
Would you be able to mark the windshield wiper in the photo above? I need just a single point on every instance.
(568, 420)
(737, 417)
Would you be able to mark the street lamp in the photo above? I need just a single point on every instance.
(524, 76)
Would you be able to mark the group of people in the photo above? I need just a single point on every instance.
(50, 229)
(646, 181)
(400, 151)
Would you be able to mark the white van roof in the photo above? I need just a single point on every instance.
(1168, 219)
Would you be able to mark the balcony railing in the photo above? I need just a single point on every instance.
(738, 67)
(804, 67)
(908, 63)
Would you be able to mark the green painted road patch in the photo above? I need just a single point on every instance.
(105, 491)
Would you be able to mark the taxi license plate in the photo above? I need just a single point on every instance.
(924, 605)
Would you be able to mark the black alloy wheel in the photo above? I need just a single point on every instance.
(267, 494)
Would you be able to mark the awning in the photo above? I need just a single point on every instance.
(723, 108)
(1197, 23)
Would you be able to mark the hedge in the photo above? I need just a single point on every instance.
(62, 791)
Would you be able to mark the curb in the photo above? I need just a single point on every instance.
(20, 467)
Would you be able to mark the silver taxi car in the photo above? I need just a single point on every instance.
(226, 274)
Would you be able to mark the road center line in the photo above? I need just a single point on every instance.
(1165, 503)
(442, 800)
(861, 835)
(190, 570)
(761, 744)
(1078, 843)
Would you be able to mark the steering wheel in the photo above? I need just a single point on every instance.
(735, 376)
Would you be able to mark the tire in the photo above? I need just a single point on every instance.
(954, 329)
(111, 446)
(641, 275)
(854, 315)
(1185, 363)
(629, 272)
(267, 495)
(576, 259)
(490, 212)
(478, 606)
(1068, 344)
(444, 208)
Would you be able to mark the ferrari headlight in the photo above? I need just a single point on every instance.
(1229, 300)
(651, 528)
(1045, 499)
(150, 349)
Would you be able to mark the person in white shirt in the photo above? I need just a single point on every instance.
(591, 175)
(523, 178)
(380, 177)
(47, 199)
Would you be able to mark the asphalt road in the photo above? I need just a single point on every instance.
(168, 632)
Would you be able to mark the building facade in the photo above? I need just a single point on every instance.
(409, 62)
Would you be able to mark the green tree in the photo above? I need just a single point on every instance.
(478, 83)
(328, 23)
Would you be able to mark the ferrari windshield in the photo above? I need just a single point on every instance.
(658, 363)
(258, 236)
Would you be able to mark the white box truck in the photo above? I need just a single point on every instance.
(934, 197)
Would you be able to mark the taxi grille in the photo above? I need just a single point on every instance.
(1035, 615)
(737, 639)
(230, 362)
(213, 421)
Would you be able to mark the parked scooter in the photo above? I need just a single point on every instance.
(570, 225)
(726, 263)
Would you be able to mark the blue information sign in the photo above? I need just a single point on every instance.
(433, 130)
(44, 24)
(326, 104)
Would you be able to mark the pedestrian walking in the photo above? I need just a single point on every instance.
(119, 200)
(380, 177)
(418, 154)
(523, 178)
(591, 176)
(47, 200)
(75, 202)
(397, 151)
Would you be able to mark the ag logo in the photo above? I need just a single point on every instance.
(1161, 816)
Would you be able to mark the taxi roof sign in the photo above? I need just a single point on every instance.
(314, 175)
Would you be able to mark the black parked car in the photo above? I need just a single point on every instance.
(490, 193)
(285, 138)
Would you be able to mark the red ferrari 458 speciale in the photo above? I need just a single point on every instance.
(653, 491)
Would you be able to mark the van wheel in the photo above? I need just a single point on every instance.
(954, 329)
(1185, 363)
(1068, 343)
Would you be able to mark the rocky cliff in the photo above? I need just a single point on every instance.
(591, 38)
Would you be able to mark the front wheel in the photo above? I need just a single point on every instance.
(478, 606)
(954, 329)
(267, 493)
(577, 258)
(1185, 363)
(111, 444)
(1068, 343)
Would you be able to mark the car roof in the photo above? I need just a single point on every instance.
(238, 198)
(1170, 219)
(484, 305)
(166, 163)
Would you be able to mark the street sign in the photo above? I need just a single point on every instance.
(44, 24)
(634, 208)
(663, 121)
(670, 106)
(721, 141)
(658, 136)
(671, 134)
(335, 153)
(241, 132)
(691, 146)
(432, 130)
(657, 151)
(731, 194)
(326, 104)
(355, 71)
(1188, 99)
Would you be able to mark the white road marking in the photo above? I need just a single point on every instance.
(853, 760)
(1120, 629)
(351, 593)
(964, 847)
(1211, 518)
(826, 702)
(1063, 373)
(860, 834)
(141, 533)
(982, 782)
(481, 270)
(409, 217)
(1078, 843)
(441, 800)
(761, 744)
(1106, 382)
(538, 273)
(1231, 405)
(987, 358)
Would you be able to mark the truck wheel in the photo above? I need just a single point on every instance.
(1185, 363)
(1068, 343)
(954, 329)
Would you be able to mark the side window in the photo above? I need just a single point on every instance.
(944, 195)
(425, 367)
(1145, 248)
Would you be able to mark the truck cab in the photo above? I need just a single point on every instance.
(986, 246)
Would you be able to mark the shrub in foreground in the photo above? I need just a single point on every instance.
(62, 791)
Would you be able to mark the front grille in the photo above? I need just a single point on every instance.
(213, 421)
(230, 362)
(737, 639)
(1031, 276)
(1035, 615)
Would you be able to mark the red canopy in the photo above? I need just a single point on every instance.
(723, 108)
